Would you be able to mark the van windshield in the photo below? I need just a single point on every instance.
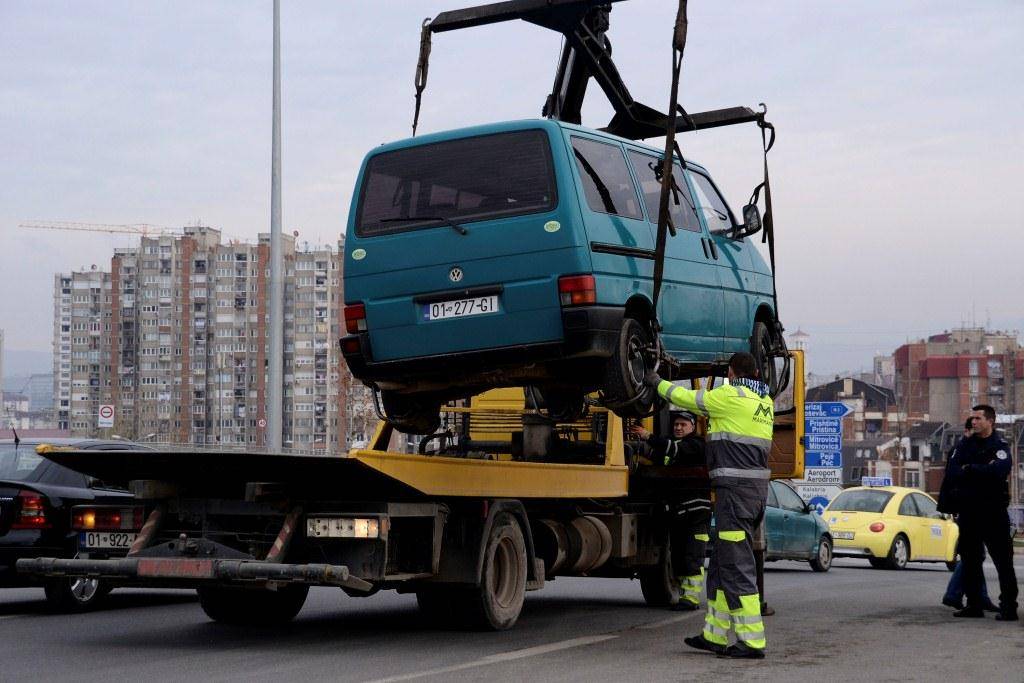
(465, 180)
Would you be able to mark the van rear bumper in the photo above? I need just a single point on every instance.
(588, 332)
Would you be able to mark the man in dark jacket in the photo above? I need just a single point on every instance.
(690, 509)
(976, 489)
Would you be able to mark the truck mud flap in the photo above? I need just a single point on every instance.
(176, 571)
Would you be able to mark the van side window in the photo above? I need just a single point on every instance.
(680, 204)
(606, 180)
(716, 212)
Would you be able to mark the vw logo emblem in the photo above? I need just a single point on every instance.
(455, 274)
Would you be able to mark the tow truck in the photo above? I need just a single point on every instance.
(503, 498)
(500, 502)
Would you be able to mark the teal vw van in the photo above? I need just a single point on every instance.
(522, 253)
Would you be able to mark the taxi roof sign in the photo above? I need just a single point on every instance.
(876, 481)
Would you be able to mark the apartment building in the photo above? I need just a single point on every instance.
(186, 353)
(81, 341)
(942, 377)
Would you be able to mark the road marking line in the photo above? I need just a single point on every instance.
(670, 620)
(504, 657)
(11, 616)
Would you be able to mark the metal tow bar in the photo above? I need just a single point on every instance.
(250, 571)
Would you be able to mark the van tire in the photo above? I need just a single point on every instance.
(412, 413)
(761, 344)
(625, 370)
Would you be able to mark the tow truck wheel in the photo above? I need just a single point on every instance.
(411, 413)
(625, 370)
(496, 603)
(658, 583)
(252, 607)
(76, 594)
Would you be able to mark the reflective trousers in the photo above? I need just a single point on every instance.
(689, 532)
(733, 599)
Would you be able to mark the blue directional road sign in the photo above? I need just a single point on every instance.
(823, 438)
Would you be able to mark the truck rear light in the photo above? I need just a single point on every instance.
(575, 290)
(877, 526)
(355, 318)
(33, 512)
(106, 518)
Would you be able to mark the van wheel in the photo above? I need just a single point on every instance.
(624, 388)
(761, 345)
(412, 413)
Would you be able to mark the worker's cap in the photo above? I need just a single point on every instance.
(685, 415)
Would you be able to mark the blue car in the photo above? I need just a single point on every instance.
(794, 530)
(522, 253)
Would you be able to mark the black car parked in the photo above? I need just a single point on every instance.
(45, 512)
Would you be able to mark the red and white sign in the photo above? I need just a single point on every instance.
(262, 423)
(105, 417)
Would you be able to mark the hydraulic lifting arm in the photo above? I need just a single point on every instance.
(587, 54)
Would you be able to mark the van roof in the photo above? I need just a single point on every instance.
(505, 126)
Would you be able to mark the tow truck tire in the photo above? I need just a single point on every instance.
(412, 413)
(496, 603)
(76, 594)
(658, 583)
(625, 370)
(252, 607)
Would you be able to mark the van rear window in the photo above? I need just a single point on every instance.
(464, 180)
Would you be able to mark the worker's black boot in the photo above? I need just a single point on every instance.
(970, 612)
(701, 643)
(741, 651)
(1007, 615)
(684, 606)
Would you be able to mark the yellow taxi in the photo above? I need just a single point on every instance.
(890, 526)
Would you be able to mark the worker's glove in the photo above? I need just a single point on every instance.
(652, 379)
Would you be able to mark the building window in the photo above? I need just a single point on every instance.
(912, 479)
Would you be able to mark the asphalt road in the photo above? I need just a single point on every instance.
(851, 624)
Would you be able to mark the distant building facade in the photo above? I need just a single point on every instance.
(874, 410)
(942, 377)
(182, 353)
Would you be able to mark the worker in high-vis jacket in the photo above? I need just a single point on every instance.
(739, 438)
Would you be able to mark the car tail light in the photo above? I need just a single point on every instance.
(106, 518)
(877, 526)
(350, 345)
(355, 318)
(33, 512)
(575, 290)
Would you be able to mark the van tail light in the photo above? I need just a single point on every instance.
(355, 318)
(33, 512)
(576, 290)
(877, 526)
(88, 518)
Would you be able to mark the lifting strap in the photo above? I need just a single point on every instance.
(768, 222)
(422, 65)
(664, 221)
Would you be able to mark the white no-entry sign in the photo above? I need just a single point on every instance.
(105, 417)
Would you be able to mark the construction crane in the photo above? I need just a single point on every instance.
(140, 229)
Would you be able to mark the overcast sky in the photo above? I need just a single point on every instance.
(897, 174)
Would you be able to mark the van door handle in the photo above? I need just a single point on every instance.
(704, 246)
(714, 249)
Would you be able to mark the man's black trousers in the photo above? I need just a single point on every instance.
(988, 530)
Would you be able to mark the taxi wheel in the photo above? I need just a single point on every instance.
(899, 553)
